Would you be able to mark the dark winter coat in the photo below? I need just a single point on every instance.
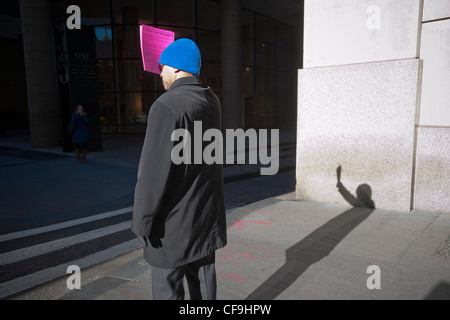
(80, 132)
(180, 208)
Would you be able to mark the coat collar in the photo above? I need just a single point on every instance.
(186, 81)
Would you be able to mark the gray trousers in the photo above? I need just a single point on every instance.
(167, 284)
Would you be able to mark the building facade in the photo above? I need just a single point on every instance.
(249, 58)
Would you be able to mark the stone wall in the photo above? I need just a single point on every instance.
(373, 100)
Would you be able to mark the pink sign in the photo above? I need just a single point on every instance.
(153, 43)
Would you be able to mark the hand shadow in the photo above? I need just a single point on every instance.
(363, 193)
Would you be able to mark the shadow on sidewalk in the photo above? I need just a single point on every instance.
(440, 292)
(318, 244)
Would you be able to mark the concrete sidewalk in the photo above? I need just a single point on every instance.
(280, 248)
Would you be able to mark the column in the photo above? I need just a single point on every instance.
(432, 187)
(132, 85)
(44, 113)
(231, 64)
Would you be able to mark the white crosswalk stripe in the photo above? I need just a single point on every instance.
(33, 251)
(34, 278)
(58, 226)
(31, 280)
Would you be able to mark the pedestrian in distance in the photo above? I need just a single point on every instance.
(80, 133)
(179, 209)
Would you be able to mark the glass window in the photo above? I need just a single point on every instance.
(248, 52)
(103, 42)
(95, 13)
(149, 82)
(264, 29)
(211, 76)
(103, 33)
(285, 35)
(247, 18)
(266, 111)
(269, 56)
(128, 42)
(180, 32)
(209, 15)
(264, 55)
(105, 76)
(131, 75)
(210, 44)
(134, 107)
(265, 81)
(108, 111)
(247, 80)
(143, 11)
(175, 13)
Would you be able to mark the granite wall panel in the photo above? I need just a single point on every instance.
(361, 118)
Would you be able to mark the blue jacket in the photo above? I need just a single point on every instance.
(80, 134)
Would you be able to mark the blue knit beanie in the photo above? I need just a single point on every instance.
(182, 54)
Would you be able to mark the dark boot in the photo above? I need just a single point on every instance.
(78, 155)
(84, 156)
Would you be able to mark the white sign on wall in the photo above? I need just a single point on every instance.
(436, 9)
(346, 31)
(435, 52)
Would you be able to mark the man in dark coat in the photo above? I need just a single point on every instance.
(179, 211)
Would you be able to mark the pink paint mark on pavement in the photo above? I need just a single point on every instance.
(231, 276)
(240, 224)
(130, 293)
(241, 255)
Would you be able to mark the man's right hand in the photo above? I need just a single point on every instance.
(144, 241)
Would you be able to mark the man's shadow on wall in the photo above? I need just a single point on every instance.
(319, 243)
